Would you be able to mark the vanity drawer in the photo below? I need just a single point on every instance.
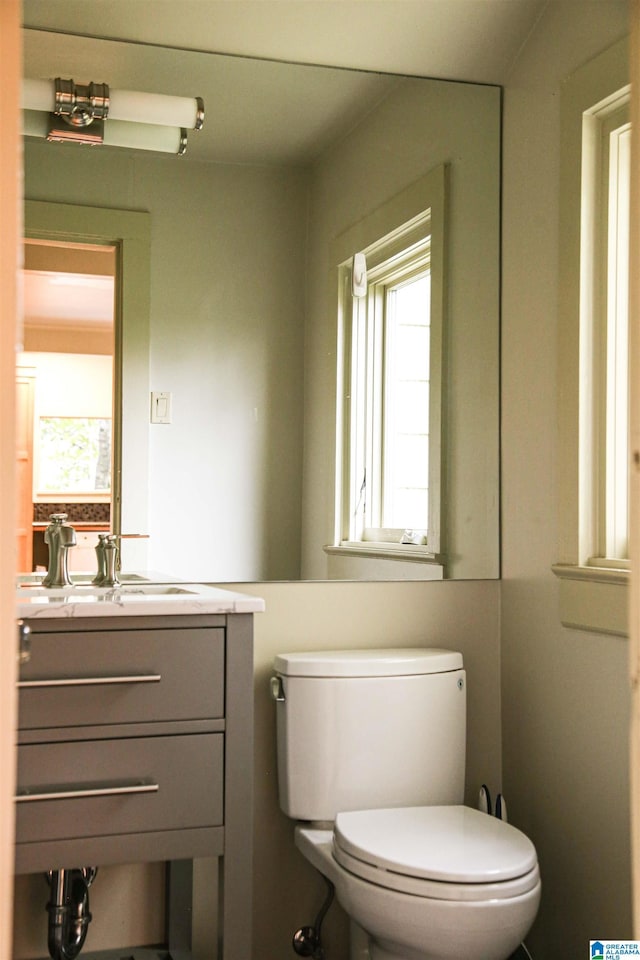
(109, 787)
(152, 675)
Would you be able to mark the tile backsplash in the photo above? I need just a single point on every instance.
(76, 512)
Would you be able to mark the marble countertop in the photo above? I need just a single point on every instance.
(131, 599)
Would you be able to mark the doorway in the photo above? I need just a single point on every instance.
(66, 391)
(128, 232)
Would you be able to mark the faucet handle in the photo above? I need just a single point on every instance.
(58, 517)
(110, 547)
(100, 555)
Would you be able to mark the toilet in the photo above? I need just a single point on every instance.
(371, 763)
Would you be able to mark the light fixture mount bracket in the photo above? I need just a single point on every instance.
(62, 132)
(80, 105)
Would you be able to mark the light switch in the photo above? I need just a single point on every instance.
(160, 407)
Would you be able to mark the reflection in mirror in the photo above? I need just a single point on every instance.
(391, 324)
(243, 324)
(73, 456)
(66, 373)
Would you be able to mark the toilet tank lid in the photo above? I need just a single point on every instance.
(368, 663)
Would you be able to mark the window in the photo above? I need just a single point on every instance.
(403, 473)
(593, 348)
(615, 531)
(73, 456)
(604, 336)
(390, 451)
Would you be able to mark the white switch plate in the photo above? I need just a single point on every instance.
(160, 407)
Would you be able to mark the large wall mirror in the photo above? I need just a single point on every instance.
(242, 318)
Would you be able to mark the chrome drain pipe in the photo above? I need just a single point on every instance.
(68, 910)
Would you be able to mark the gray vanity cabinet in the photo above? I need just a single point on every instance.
(136, 744)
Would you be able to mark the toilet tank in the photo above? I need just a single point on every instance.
(366, 729)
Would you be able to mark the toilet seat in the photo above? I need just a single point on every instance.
(446, 853)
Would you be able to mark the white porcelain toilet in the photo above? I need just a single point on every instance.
(371, 759)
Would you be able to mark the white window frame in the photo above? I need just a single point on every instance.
(405, 234)
(614, 493)
(604, 340)
(593, 586)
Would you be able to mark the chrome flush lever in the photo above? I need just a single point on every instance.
(24, 642)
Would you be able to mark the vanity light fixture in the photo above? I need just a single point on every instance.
(65, 111)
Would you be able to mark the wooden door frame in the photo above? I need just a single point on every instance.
(10, 242)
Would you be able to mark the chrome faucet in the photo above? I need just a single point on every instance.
(59, 537)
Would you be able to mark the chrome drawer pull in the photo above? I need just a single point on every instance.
(26, 797)
(88, 681)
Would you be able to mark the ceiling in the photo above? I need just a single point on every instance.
(471, 40)
(276, 113)
(256, 111)
(265, 111)
(75, 299)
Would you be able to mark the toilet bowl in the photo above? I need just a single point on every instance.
(430, 883)
(424, 876)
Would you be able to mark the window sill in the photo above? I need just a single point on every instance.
(369, 560)
(593, 598)
(388, 551)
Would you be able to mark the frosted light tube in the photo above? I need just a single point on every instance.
(129, 105)
(117, 133)
(154, 108)
(145, 136)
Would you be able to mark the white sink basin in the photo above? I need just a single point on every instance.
(149, 589)
(27, 581)
(88, 591)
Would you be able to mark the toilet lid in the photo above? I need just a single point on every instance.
(453, 844)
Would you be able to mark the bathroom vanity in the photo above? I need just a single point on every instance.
(136, 743)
